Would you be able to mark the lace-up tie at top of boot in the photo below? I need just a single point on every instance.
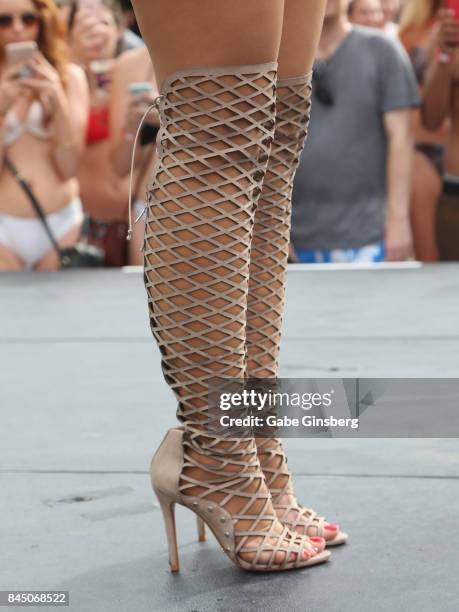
(244, 120)
(155, 104)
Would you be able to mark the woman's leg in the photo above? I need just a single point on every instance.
(187, 33)
(8, 261)
(268, 260)
(217, 125)
(427, 187)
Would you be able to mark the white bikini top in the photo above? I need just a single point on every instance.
(14, 129)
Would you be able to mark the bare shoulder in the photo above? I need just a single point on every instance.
(134, 65)
(75, 75)
(136, 60)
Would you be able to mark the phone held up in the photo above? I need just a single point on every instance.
(135, 89)
(21, 53)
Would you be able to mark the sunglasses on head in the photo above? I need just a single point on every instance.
(28, 20)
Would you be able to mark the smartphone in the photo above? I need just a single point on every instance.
(139, 88)
(21, 52)
(102, 66)
(453, 5)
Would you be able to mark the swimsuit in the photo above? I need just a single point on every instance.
(434, 152)
(33, 124)
(26, 236)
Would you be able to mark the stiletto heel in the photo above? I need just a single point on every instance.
(168, 510)
(165, 471)
(201, 529)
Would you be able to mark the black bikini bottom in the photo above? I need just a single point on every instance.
(434, 153)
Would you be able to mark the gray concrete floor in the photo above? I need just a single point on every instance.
(84, 406)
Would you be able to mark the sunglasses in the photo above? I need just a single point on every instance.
(322, 89)
(28, 20)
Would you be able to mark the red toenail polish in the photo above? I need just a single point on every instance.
(331, 527)
(316, 539)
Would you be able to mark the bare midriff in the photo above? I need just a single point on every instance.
(33, 158)
(104, 194)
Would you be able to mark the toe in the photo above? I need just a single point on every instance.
(305, 552)
(318, 543)
(330, 531)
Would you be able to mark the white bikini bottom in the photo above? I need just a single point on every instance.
(27, 238)
(139, 207)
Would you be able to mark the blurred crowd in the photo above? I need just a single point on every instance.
(378, 179)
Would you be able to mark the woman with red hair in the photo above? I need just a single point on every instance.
(43, 114)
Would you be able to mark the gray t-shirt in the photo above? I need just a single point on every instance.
(339, 195)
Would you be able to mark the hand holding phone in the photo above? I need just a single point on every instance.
(139, 88)
(140, 99)
(448, 30)
(16, 54)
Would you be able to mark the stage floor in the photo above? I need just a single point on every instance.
(84, 406)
